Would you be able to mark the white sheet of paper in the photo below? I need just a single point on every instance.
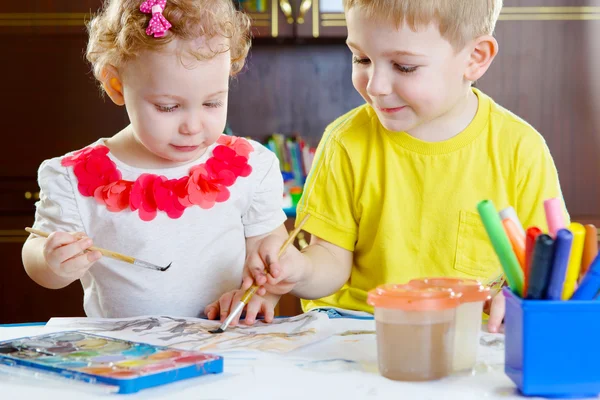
(281, 336)
(343, 365)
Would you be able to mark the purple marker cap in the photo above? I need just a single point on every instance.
(562, 251)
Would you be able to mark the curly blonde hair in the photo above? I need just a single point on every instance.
(118, 32)
(459, 21)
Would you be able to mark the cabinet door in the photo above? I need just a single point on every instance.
(320, 19)
(270, 18)
(21, 299)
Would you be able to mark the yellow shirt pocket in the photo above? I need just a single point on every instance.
(475, 255)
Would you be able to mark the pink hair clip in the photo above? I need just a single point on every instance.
(158, 24)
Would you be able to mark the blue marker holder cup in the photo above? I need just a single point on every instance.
(552, 346)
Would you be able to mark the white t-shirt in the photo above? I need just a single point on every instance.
(206, 246)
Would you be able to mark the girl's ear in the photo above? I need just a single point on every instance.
(112, 85)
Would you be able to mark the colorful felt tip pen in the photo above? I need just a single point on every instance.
(532, 233)
(495, 230)
(517, 239)
(511, 214)
(562, 251)
(541, 267)
(555, 216)
(590, 248)
(590, 284)
(574, 266)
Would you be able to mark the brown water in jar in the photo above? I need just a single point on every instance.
(415, 352)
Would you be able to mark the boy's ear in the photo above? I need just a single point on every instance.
(112, 85)
(483, 52)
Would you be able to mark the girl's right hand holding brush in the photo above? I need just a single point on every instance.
(64, 255)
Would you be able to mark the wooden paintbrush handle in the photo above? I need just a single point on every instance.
(113, 254)
(107, 253)
(293, 235)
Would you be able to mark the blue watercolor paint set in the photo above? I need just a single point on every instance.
(86, 357)
(551, 348)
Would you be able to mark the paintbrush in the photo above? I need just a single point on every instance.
(111, 254)
(250, 292)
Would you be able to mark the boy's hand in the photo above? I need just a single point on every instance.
(257, 305)
(495, 309)
(66, 255)
(264, 268)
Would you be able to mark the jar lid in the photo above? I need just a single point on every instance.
(471, 289)
(408, 298)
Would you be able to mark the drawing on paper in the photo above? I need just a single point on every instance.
(280, 336)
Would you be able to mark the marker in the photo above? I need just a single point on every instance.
(590, 248)
(554, 215)
(532, 234)
(541, 267)
(517, 239)
(508, 259)
(590, 285)
(574, 267)
(562, 251)
(510, 213)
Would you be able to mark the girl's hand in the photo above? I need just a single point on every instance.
(258, 305)
(66, 255)
(495, 309)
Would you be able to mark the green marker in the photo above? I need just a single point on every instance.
(508, 259)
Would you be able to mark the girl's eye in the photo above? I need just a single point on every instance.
(406, 69)
(166, 108)
(358, 60)
(215, 104)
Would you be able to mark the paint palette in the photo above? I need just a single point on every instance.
(129, 365)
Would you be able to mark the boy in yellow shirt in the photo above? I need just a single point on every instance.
(393, 191)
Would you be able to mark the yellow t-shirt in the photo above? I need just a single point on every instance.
(407, 208)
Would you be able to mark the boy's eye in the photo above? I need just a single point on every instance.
(406, 69)
(166, 108)
(214, 104)
(358, 60)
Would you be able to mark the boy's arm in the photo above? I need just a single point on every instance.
(324, 266)
(537, 182)
(327, 269)
(319, 270)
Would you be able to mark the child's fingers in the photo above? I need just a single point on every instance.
(77, 264)
(496, 313)
(256, 268)
(212, 310)
(247, 282)
(237, 297)
(252, 309)
(71, 250)
(225, 305)
(268, 311)
(56, 240)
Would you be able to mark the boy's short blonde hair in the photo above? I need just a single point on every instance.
(459, 20)
(118, 32)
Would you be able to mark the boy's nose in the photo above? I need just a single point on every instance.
(379, 84)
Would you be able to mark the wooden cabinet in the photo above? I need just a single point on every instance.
(300, 19)
(271, 18)
(321, 19)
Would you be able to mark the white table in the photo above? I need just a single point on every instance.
(341, 367)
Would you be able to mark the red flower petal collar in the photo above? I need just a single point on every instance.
(205, 185)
